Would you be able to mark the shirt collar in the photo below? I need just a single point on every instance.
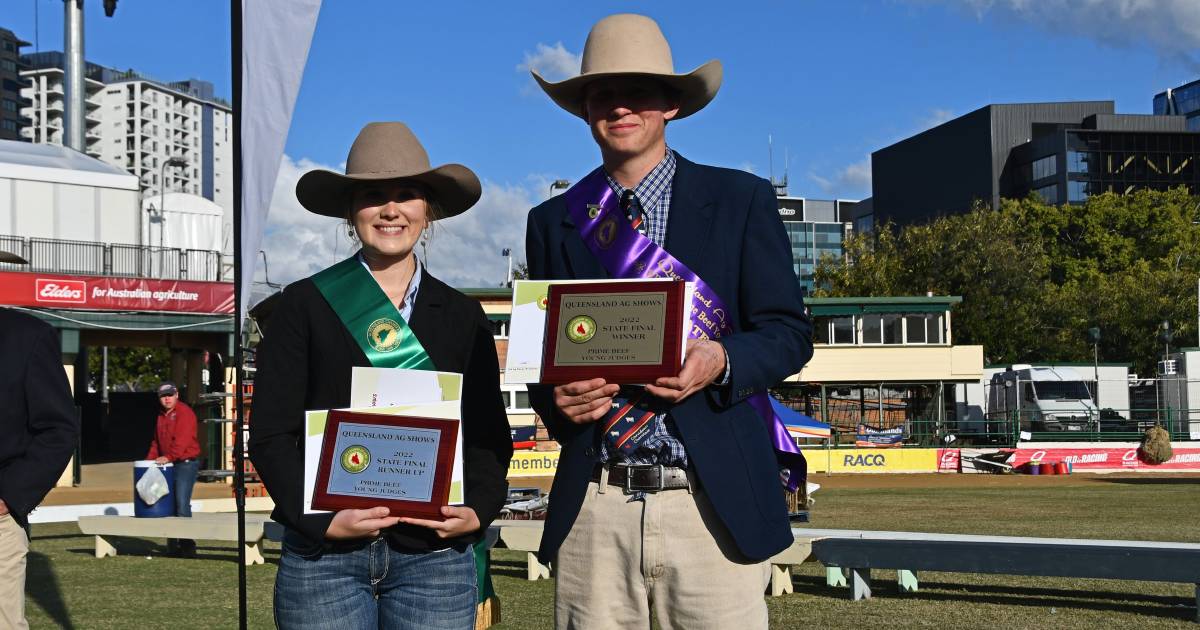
(411, 296)
(650, 190)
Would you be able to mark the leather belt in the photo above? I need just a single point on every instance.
(643, 477)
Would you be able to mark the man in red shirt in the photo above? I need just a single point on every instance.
(175, 443)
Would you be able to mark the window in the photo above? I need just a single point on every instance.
(8, 64)
(843, 330)
(893, 329)
(522, 400)
(10, 105)
(1077, 161)
(1077, 191)
(872, 329)
(8, 125)
(1045, 167)
(821, 327)
(915, 328)
(1049, 194)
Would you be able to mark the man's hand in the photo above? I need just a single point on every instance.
(703, 365)
(585, 401)
(459, 521)
(3, 507)
(360, 523)
(161, 460)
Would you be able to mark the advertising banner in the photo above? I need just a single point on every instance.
(869, 460)
(533, 464)
(1110, 458)
(872, 437)
(114, 294)
(948, 460)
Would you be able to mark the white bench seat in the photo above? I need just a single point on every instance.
(200, 526)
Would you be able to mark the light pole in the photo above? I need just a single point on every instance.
(1094, 337)
(507, 253)
(559, 184)
(161, 215)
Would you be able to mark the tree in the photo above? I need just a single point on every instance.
(1034, 277)
(130, 369)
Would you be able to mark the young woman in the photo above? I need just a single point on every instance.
(364, 568)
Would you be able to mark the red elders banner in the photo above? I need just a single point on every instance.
(948, 459)
(1109, 458)
(114, 294)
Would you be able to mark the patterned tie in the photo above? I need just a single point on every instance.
(630, 420)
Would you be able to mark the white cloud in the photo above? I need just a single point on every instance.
(1171, 28)
(464, 251)
(553, 63)
(851, 181)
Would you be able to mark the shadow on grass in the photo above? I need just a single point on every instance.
(41, 585)
(143, 547)
(508, 568)
(1164, 606)
(1154, 481)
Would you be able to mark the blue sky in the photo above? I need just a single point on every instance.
(829, 81)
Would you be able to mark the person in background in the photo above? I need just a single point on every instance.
(39, 429)
(175, 443)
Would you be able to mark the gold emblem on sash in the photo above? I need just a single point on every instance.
(593, 210)
(384, 334)
(606, 233)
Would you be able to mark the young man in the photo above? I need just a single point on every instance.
(39, 430)
(175, 443)
(681, 523)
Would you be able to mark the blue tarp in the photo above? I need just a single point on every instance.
(798, 423)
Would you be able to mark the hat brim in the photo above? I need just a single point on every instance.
(9, 257)
(454, 187)
(696, 88)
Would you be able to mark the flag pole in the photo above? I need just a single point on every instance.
(239, 460)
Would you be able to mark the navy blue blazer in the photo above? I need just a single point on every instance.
(724, 225)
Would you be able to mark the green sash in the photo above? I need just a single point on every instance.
(370, 316)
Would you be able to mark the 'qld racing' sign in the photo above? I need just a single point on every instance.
(1108, 458)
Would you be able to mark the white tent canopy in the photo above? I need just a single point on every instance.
(51, 163)
(188, 222)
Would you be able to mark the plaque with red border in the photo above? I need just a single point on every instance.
(628, 331)
(404, 463)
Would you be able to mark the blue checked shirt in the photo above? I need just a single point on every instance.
(653, 197)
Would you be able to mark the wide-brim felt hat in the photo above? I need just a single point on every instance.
(632, 45)
(384, 152)
(9, 257)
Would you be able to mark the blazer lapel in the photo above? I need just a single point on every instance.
(582, 263)
(690, 218)
(427, 312)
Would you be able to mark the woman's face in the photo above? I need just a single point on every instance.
(388, 217)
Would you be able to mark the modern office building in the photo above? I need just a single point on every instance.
(1181, 101)
(816, 228)
(1064, 152)
(12, 121)
(137, 124)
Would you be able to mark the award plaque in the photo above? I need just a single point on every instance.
(402, 462)
(624, 332)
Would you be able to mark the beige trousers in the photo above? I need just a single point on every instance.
(14, 545)
(669, 554)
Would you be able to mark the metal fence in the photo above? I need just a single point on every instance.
(103, 259)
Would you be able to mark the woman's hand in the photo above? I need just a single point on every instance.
(459, 521)
(360, 523)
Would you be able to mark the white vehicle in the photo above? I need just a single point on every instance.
(1044, 399)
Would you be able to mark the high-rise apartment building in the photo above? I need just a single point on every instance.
(141, 125)
(816, 228)
(1181, 101)
(11, 84)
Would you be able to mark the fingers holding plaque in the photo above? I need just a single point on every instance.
(402, 462)
(623, 331)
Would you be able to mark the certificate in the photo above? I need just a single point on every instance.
(623, 332)
(402, 462)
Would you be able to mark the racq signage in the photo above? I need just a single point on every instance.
(114, 294)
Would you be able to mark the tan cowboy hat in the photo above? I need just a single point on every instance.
(9, 257)
(632, 45)
(386, 151)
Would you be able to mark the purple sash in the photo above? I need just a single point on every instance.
(625, 253)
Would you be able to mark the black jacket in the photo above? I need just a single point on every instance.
(305, 363)
(39, 426)
(724, 225)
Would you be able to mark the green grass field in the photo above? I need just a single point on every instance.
(67, 587)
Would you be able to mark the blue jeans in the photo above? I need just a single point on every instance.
(185, 481)
(375, 586)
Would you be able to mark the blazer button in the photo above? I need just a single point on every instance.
(589, 451)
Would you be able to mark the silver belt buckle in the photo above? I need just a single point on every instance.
(629, 489)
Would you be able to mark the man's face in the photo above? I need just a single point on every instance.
(628, 115)
(169, 401)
